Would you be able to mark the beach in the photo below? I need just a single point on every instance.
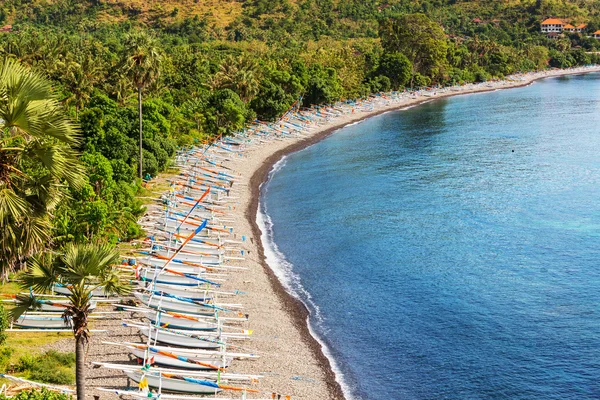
(292, 362)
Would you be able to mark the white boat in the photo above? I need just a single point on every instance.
(177, 359)
(189, 248)
(191, 257)
(181, 321)
(40, 322)
(169, 304)
(193, 293)
(186, 267)
(157, 381)
(62, 289)
(191, 352)
(59, 305)
(192, 223)
(176, 339)
(165, 277)
(178, 267)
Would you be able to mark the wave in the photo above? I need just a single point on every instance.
(291, 281)
(355, 123)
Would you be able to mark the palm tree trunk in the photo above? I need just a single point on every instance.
(80, 367)
(140, 115)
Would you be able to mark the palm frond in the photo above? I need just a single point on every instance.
(23, 304)
(11, 204)
(42, 272)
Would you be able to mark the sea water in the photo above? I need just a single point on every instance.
(451, 250)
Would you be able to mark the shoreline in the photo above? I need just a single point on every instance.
(295, 307)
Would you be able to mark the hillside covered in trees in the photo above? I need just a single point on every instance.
(202, 68)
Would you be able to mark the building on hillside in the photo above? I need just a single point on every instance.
(478, 21)
(596, 35)
(580, 28)
(554, 35)
(552, 25)
(6, 28)
(569, 28)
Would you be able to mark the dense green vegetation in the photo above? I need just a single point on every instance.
(191, 73)
(35, 394)
(48, 367)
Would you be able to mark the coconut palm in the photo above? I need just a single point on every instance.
(37, 159)
(142, 64)
(79, 78)
(82, 268)
(238, 74)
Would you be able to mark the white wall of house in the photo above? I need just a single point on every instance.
(552, 28)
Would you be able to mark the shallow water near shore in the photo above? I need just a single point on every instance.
(451, 250)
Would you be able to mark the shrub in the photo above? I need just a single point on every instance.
(49, 367)
(5, 353)
(4, 323)
(35, 394)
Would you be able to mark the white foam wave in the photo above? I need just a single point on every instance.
(355, 123)
(291, 281)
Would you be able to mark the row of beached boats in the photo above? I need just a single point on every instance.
(193, 328)
(192, 324)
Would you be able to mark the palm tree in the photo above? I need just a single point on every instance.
(80, 78)
(240, 75)
(37, 158)
(142, 64)
(82, 268)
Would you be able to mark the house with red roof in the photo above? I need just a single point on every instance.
(552, 25)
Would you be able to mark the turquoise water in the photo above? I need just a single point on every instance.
(452, 250)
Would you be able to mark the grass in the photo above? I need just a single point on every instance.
(157, 186)
(49, 367)
(21, 356)
(10, 288)
(219, 13)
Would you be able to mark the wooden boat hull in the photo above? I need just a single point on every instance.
(99, 292)
(195, 258)
(182, 323)
(147, 275)
(40, 322)
(192, 293)
(178, 340)
(174, 362)
(178, 266)
(172, 385)
(193, 247)
(58, 308)
(174, 305)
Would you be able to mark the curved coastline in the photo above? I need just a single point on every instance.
(295, 307)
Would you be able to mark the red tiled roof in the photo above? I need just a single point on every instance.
(553, 21)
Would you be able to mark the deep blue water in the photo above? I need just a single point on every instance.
(452, 250)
